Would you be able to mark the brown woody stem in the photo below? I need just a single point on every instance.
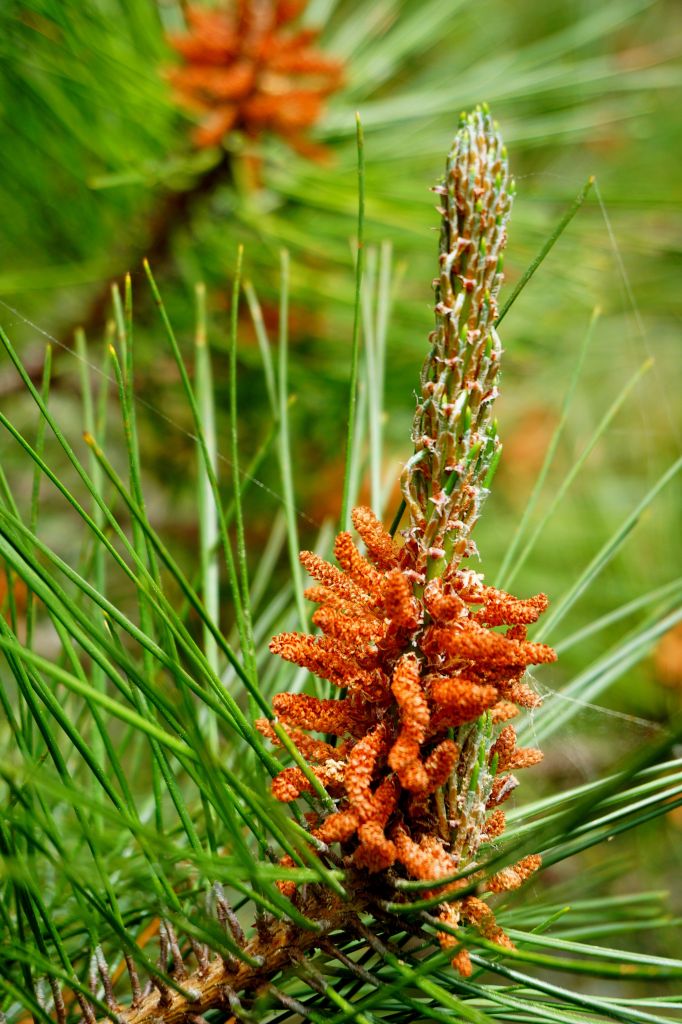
(173, 210)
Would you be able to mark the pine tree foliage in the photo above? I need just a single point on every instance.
(94, 130)
(145, 862)
(96, 149)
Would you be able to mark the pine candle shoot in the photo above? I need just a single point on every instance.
(424, 753)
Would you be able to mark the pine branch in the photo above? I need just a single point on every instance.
(409, 789)
(218, 984)
(173, 211)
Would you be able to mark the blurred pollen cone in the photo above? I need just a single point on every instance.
(246, 68)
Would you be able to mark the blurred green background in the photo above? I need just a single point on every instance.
(94, 145)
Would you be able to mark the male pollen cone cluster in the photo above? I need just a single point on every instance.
(247, 68)
(429, 660)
